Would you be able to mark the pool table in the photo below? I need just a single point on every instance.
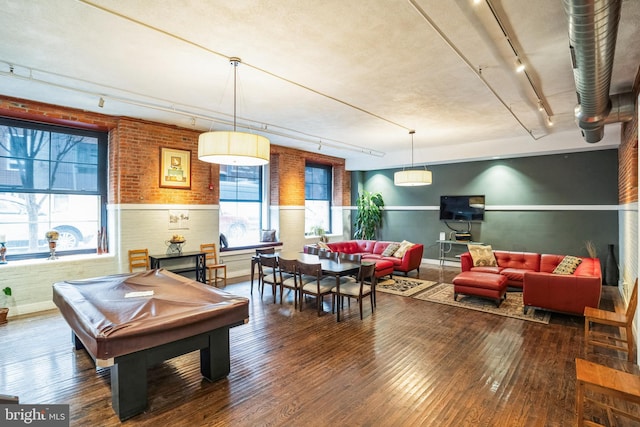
(130, 322)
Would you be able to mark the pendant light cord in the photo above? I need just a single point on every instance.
(235, 61)
(412, 132)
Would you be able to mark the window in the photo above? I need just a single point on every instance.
(51, 178)
(317, 203)
(241, 204)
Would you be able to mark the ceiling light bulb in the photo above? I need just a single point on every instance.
(519, 66)
(540, 106)
(476, 1)
(101, 102)
(549, 121)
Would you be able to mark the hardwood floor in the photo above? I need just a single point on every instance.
(410, 363)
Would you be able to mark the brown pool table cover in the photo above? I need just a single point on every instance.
(110, 325)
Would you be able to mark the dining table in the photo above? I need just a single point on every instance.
(337, 268)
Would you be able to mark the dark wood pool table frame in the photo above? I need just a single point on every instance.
(129, 371)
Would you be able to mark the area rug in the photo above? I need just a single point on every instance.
(404, 286)
(510, 307)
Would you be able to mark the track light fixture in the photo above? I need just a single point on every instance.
(101, 102)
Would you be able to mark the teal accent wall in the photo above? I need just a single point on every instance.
(526, 201)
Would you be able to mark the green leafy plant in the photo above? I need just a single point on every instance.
(369, 215)
(6, 293)
(321, 232)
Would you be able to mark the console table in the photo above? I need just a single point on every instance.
(450, 250)
(156, 261)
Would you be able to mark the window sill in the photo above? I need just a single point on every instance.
(251, 247)
(326, 235)
(59, 258)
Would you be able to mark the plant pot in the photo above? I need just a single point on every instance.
(3, 315)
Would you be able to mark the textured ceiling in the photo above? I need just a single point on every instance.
(348, 77)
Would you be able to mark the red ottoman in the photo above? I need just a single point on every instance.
(383, 267)
(486, 285)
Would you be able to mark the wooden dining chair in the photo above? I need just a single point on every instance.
(138, 258)
(621, 321)
(607, 389)
(269, 274)
(265, 251)
(312, 250)
(288, 278)
(212, 264)
(350, 257)
(322, 253)
(313, 283)
(363, 286)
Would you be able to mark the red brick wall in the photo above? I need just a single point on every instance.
(628, 156)
(138, 162)
(134, 158)
(287, 168)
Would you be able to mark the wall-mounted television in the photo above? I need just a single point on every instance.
(462, 208)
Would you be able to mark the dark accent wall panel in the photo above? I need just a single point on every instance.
(565, 200)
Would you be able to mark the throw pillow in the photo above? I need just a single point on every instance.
(323, 245)
(482, 256)
(268, 236)
(391, 249)
(404, 247)
(568, 265)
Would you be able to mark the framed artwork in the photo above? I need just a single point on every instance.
(175, 168)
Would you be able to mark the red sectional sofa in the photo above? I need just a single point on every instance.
(541, 288)
(564, 293)
(513, 265)
(371, 250)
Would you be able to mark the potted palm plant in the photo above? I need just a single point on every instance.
(4, 309)
(369, 215)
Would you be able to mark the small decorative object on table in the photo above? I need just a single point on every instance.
(174, 245)
(52, 238)
(3, 249)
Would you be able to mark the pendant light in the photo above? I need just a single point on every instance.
(412, 177)
(233, 148)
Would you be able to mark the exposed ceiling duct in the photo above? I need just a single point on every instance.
(593, 29)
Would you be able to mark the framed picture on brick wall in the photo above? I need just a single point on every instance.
(175, 168)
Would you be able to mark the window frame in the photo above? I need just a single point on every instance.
(101, 190)
(329, 190)
(259, 200)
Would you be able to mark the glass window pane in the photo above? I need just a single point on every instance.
(26, 217)
(316, 214)
(43, 168)
(240, 222)
(241, 204)
(317, 198)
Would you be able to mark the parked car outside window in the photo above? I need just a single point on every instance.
(74, 217)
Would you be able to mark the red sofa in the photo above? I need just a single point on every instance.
(513, 265)
(563, 293)
(371, 250)
(540, 287)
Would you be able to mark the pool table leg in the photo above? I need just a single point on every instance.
(77, 344)
(215, 358)
(129, 386)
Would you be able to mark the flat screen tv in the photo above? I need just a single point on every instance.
(462, 208)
